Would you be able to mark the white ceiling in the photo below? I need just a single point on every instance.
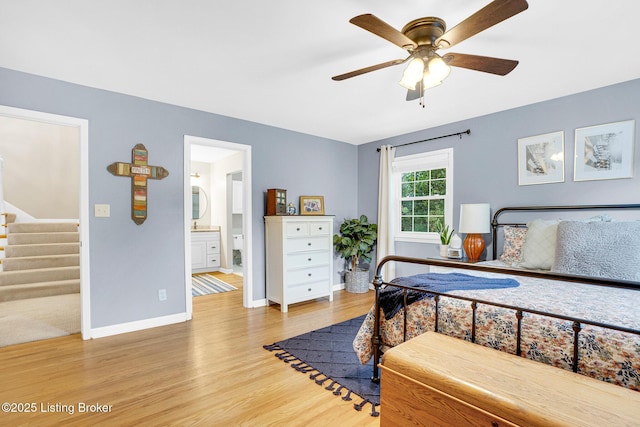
(271, 61)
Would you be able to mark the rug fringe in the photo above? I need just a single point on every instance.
(305, 368)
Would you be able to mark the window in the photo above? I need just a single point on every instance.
(424, 194)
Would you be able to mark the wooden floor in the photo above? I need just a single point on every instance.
(211, 371)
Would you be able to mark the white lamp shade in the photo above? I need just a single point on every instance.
(474, 218)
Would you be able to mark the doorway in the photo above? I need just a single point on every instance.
(77, 130)
(205, 152)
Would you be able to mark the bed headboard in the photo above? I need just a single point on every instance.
(496, 224)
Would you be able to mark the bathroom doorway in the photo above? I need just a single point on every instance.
(235, 214)
(221, 172)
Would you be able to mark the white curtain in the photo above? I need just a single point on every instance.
(386, 211)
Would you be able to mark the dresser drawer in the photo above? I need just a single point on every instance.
(307, 275)
(319, 228)
(307, 259)
(308, 244)
(297, 229)
(305, 291)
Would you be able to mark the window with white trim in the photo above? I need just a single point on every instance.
(423, 195)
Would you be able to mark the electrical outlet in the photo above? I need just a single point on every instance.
(162, 294)
(102, 211)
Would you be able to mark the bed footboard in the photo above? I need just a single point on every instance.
(578, 324)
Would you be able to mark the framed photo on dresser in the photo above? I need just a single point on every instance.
(311, 205)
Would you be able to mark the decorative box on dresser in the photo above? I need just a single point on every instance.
(205, 251)
(299, 261)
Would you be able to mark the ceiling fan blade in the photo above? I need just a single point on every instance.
(490, 15)
(377, 26)
(367, 69)
(486, 64)
(413, 94)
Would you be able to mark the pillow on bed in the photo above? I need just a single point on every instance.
(599, 249)
(539, 247)
(513, 241)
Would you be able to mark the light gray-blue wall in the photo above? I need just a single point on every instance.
(129, 263)
(485, 162)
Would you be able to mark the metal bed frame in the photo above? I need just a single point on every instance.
(577, 323)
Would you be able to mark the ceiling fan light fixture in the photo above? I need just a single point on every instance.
(429, 81)
(438, 68)
(413, 73)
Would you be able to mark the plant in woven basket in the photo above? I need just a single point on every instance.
(356, 240)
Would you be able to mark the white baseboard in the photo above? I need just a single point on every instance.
(259, 303)
(123, 328)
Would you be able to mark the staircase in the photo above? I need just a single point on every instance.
(40, 259)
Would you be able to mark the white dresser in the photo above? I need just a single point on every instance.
(205, 251)
(299, 261)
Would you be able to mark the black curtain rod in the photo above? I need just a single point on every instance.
(468, 132)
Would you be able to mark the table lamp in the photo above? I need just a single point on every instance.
(474, 221)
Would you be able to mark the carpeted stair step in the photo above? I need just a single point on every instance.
(41, 227)
(40, 238)
(39, 262)
(39, 275)
(9, 217)
(40, 289)
(13, 251)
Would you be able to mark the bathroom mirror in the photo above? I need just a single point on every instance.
(199, 202)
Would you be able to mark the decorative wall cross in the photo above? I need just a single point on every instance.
(139, 172)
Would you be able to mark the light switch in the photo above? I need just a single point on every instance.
(102, 211)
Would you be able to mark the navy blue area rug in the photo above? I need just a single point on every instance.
(328, 357)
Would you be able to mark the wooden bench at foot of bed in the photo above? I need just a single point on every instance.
(435, 379)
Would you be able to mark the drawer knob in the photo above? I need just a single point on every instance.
(309, 274)
(309, 289)
(309, 244)
(298, 229)
(308, 259)
(319, 228)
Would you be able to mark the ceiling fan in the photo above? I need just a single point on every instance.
(423, 37)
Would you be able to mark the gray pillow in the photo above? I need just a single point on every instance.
(599, 249)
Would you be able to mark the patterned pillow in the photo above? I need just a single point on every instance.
(539, 248)
(513, 241)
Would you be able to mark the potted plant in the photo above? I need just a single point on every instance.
(355, 244)
(445, 234)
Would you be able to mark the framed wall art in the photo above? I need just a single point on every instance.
(311, 205)
(541, 159)
(604, 151)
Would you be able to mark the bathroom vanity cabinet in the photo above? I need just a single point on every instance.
(205, 251)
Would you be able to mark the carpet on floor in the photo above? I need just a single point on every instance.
(328, 357)
(205, 284)
(35, 319)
